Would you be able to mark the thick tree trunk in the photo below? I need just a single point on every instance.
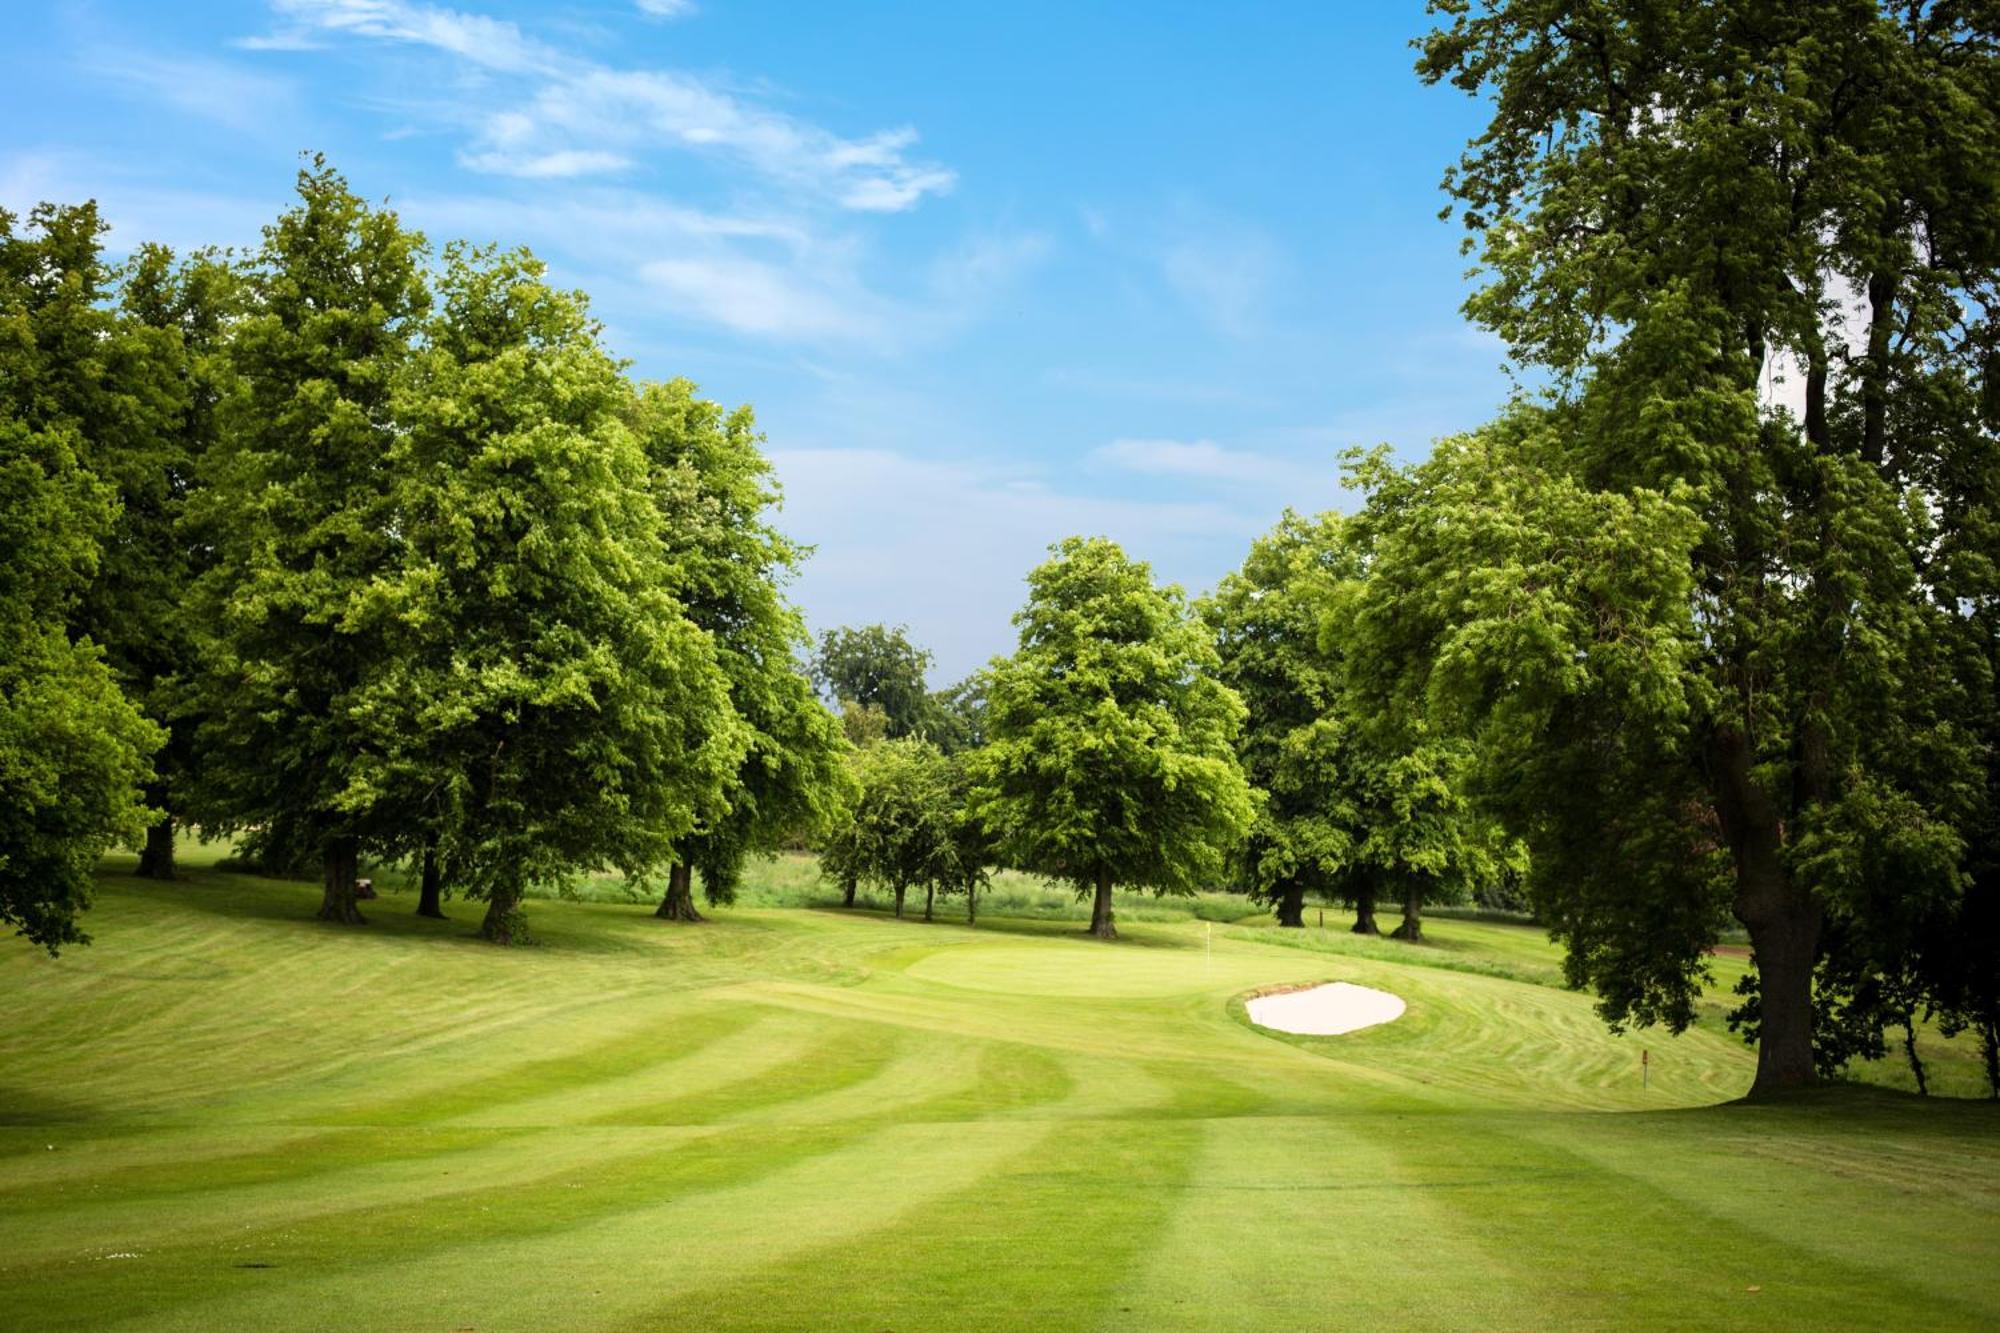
(505, 923)
(1989, 1050)
(341, 862)
(156, 861)
(430, 893)
(930, 895)
(1782, 919)
(1100, 909)
(1364, 912)
(1292, 906)
(1413, 915)
(899, 902)
(847, 888)
(678, 905)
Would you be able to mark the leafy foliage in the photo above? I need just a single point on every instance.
(1111, 752)
(73, 750)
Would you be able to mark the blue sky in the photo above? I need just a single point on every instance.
(990, 275)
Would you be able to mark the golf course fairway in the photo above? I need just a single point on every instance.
(221, 1114)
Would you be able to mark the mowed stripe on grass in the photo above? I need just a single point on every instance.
(222, 1113)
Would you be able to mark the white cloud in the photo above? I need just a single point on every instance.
(558, 165)
(488, 42)
(1203, 460)
(666, 9)
(241, 99)
(763, 299)
(576, 116)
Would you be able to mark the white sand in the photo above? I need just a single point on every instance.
(1325, 1011)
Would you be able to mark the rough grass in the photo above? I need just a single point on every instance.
(222, 1114)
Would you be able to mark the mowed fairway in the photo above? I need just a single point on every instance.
(224, 1115)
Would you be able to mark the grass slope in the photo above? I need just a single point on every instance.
(224, 1115)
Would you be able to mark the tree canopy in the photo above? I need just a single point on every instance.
(1111, 754)
(728, 566)
(876, 666)
(548, 690)
(73, 749)
(1723, 655)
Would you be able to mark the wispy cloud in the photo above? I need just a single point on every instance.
(228, 94)
(1202, 460)
(562, 114)
(1227, 273)
(666, 9)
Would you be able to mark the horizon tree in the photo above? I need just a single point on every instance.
(1111, 745)
(876, 667)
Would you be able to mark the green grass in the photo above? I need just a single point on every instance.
(221, 1114)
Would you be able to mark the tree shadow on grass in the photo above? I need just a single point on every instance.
(22, 1107)
(1138, 935)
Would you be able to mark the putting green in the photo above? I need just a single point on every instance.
(222, 1114)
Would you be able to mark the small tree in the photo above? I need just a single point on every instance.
(901, 832)
(1111, 745)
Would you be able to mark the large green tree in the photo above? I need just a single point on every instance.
(1297, 744)
(1675, 204)
(728, 566)
(561, 706)
(1111, 746)
(299, 513)
(73, 749)
(170, 374)
(1359, 802)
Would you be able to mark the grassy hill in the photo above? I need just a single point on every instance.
(222, 1114)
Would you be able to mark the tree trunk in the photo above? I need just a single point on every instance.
(1413, 915)
(930, 894)
(1989, 1050)
(847, 887)
(341, 861)
(1910, 1051)
(1782, 919)
(678, 905)
(430, 894)
(505, 923)
(1100, 910)
(1364, 911)
(156, 861)
(1292, 906)
(972, 904)
(899, 902)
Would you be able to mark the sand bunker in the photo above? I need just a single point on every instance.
(1325, 1011)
